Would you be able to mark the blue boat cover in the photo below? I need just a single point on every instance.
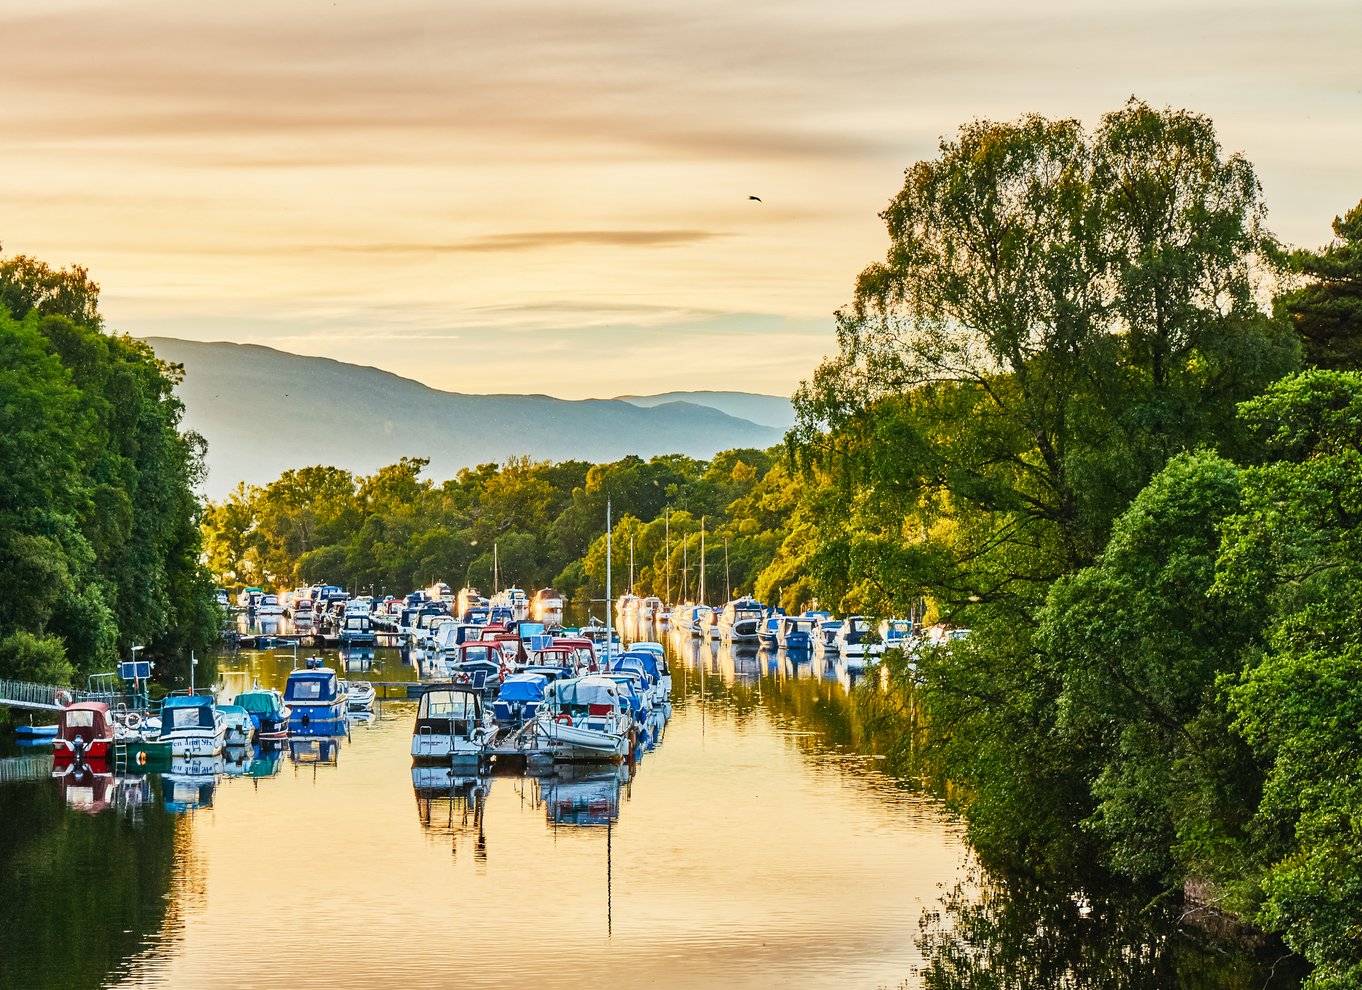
(523, 687)
(644, 664)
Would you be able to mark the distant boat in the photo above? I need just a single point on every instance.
(361, 695)
(741, 619)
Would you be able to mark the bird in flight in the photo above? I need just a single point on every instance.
(757, 198)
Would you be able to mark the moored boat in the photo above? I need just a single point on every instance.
(584, 718)
(192, 726)
(450, 726)
(314, 695)
(85, 732)
(267, 711)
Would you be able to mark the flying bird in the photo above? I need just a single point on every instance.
(757, 198)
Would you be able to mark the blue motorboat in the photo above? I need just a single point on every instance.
(314, 694)
(795, 633)
(768, 632)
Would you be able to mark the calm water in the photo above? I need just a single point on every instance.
(753, 847)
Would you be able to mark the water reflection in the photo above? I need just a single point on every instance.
(1019, 935)
(760, 845)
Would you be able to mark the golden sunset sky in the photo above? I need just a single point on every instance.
(549, 197)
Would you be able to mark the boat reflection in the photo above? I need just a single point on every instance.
(452, 804)
(581, 795)
(190, 783)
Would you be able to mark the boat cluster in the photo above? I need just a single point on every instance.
(852, 638)
(130, 730)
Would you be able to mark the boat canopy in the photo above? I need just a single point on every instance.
(524, 687)
(640, 662)
(263, 701)
(318, 685)
(194, 711)
(86, 719)
(583, 692)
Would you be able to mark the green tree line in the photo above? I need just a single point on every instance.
(395, 530)
(99, 524)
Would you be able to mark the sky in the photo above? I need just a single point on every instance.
(526, 196)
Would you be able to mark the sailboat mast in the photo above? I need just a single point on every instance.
(631, 563)
(702, 560)
(609, 601)
(667, 553)
(685, 567)
(728, 581)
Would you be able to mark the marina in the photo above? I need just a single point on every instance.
(735, 846)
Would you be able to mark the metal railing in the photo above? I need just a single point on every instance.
(23, 694)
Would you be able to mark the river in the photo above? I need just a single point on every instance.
(754, 846)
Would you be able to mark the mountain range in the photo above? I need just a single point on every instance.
(264, 411)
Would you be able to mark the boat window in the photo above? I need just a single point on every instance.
(80, 719)
(186, 718)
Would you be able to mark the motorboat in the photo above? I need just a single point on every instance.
(795, 633)
(741, 620)
(85, 732)
(358, 630)
(240, 729)
(896, 634)
(193, 726)
(315, 695)
(768, 633)
(651, 609)
(267, 710)
(360, 694)
(468, 598)
(478, 663)
(853, 639)
(584, 718)
(450, 726)
(547, 607)
(269, 605)
(825, 637)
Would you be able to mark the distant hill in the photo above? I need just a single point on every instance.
(766, 410)
(264, 411)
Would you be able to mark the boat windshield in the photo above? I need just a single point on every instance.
(448, 704)
(311, 688)
(80, 718)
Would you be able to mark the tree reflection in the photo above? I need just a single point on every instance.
(1000, 934)
(83, 892)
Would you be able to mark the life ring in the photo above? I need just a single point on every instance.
(64, 698)
(133, 720)
(564, 718)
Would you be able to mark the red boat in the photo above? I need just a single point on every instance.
(84, 733)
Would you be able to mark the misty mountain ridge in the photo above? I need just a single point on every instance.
(264, 411)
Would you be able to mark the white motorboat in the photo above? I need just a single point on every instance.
(450, 726)
(584, 718)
